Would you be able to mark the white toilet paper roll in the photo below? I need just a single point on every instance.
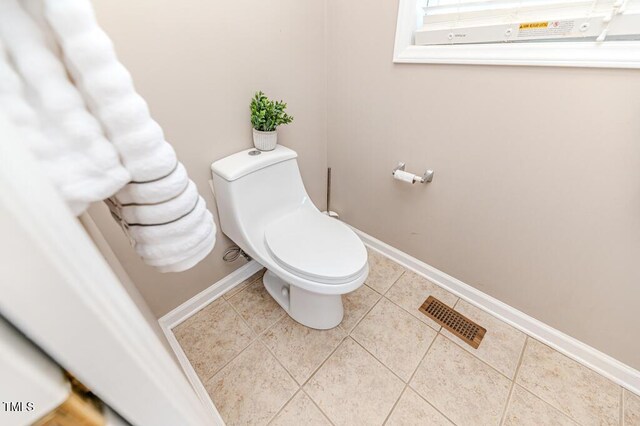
(403, 176)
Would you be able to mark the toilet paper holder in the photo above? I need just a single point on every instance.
(425, 178)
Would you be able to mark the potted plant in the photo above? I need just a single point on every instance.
(266, 116)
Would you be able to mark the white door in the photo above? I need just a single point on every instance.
(57, 289)
(35, 391)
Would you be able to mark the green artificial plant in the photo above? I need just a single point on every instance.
(266, 114)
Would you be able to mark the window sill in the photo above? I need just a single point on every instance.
(564, 54)
(619, 54)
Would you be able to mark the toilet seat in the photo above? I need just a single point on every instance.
(314, 246)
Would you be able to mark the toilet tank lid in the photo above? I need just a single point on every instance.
(242, 163)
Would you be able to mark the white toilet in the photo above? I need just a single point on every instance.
(311, 259)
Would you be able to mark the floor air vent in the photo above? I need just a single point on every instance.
(453, 321)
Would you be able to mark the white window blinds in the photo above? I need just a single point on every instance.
(495, 21)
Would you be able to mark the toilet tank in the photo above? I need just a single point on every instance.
(252, 188)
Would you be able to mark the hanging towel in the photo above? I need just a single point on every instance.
(157, 191)
(37, 96)
(188, 259)
(108, 89)
(161, 213)
(165, 218)
(175, 245)
(174, 231)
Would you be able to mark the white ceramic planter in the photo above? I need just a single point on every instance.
(265, 141)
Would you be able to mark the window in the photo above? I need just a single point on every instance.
(601, 33)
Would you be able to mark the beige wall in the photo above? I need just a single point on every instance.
(197, 63)
(536, 196)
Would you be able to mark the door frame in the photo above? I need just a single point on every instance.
(59, 291)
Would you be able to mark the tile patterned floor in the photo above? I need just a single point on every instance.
(387, 364)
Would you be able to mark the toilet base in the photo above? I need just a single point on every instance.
(314, 310)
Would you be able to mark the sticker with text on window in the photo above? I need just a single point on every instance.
(545, 28)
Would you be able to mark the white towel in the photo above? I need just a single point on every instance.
(169, 249)
(177, 245)
(165, 218)
(68, 140)
(189, 259)
(161, 213)
(159, 235)
(108, 88)
(156, 191)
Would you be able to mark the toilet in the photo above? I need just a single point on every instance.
(311, 258)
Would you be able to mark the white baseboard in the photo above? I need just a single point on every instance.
(189, 308)
(208, 295)
(191, 375)
(603, 364)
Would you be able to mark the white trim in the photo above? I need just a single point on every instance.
(190, 308)
(208, 295)
(58, 290)
(603, 364)
(191, 375)
(578, 54)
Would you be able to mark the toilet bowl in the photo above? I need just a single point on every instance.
(311, 258)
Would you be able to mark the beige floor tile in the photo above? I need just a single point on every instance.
(631, 409)
(396, 338)
(502, 344)
(301, 349)
(212, 337)
(459, 385)
(579, 392)
(257, 307)
(412, 410)
(356, 304)
(300, 411)
(525, 409)
(353, 388)
(382, 272)
(252, 388)
(237, 289)
(410, 292)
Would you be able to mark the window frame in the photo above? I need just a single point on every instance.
(613, 54)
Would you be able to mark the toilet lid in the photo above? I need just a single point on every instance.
(315, 246)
